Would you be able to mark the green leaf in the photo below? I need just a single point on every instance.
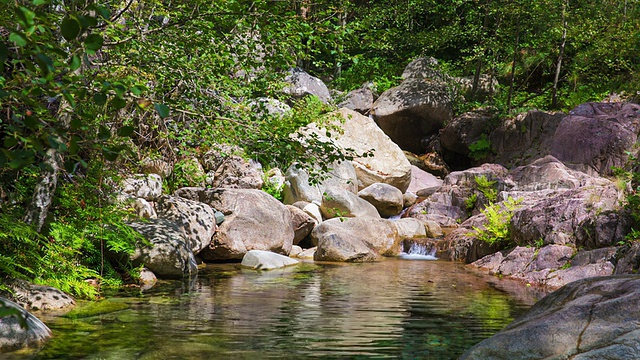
(74, 63)
(93, 42)
(137, 90)
(125, 131)
(104, 133)
(118, 103)
(18, 39)
(45, 63)
(100, 99)
(26, 16)
(40, 2)
(103, 11)
(10, 142)
(76, 123)
(162, 109)
(70, 28)
(67, 95)
(73, 145)
(111, 153)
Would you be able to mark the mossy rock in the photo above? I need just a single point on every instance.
(90, 309)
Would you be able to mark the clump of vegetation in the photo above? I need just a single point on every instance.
(480, 148)
(470, 202)
(496, 230)
(75, 242)
(487, 188)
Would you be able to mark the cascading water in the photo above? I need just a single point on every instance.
(418, 251)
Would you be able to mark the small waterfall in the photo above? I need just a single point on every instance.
(418, 251)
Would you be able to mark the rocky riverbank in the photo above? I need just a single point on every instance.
(539, 186)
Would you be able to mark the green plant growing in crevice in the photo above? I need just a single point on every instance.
(480, 148)
(631, 182)
(470, 202)
(496, 230)
(487, 188)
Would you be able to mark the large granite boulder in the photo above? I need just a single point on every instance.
(194, 218)
(415, 109)
(254, 220)
(522, 139)
(237, 173)
(19, 328)
(387, 199)
(558, 216)
(298, 186)
(167, 254)
(410, 228)
(595, 137)
(425, 68)
(487, 86)
(464, 130)
(157, 166)
(266, 260)
(355, 239)
(421, 179)
(549, 173)
(462, 243)
(302, 84)
(387, 163)
(594, 318)
(338, 202)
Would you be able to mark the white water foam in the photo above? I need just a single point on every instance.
(419, 252)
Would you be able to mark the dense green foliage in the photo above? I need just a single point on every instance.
(76, 245)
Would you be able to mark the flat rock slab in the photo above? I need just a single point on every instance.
(266, 260)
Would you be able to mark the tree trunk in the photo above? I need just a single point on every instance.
(513, 65)
(45, 188)
(556, 79)
(476, 75)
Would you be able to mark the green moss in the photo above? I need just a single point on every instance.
(89, 309)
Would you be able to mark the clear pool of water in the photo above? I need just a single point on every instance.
(395, 309)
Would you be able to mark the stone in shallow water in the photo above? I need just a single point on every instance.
(594, 318)
(33, 332)
(266, 260)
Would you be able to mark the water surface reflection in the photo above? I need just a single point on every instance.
(394, 309)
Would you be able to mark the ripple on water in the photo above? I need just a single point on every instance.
(393, 309)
